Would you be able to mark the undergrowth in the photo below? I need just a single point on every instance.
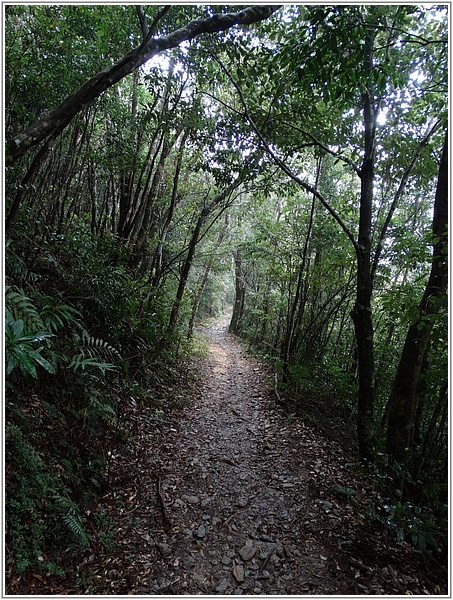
(81, 344)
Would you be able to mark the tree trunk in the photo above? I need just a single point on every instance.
(143, 233)
(362, 312)
(158, 254)
(185, 271)
(196, 236)
(239, 295)
(297, 305)
(403, 398)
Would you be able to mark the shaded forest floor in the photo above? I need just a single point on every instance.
(234, 496)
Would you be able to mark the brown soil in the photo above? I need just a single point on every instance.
(238, 497)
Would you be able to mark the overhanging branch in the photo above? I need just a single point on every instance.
(60, 117)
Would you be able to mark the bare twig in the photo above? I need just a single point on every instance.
(161, 500)
(267, 559)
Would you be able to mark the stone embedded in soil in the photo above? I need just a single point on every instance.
(164, 549)
(238, 572)
(225, 560)
(247, 552)
(275, 561)
(191, 499)
(200, 532)
(223, 585)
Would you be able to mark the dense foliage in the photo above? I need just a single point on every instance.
(294, 167)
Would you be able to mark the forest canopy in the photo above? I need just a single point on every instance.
(163, 162)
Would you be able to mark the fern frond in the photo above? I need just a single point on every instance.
(21, 308)
(15, 267)
(56, 316)
(100, 348)
(76, 528)
(94, 352)
(70, 515)
(80, 361)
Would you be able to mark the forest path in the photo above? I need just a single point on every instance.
(237, 489)
(257, 503)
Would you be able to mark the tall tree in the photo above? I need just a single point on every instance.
(403, 399)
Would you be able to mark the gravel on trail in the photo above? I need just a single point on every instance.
(238, 497)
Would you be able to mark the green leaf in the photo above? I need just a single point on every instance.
(42, 361)
(25, 361)
(17, 327)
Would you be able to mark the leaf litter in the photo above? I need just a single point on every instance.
(233, 497)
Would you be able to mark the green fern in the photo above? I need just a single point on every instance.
(57, 316)
(82, 362)
(70, 515)
(96, 353)
(15, 267)
(24, 335)
(19, 307)
(101, 348)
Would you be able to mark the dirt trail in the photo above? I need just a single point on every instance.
(238, 492)
(256, 502)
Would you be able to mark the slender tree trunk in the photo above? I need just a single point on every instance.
(158, 255)
(362, 312)
(152, 195)
(125, 191)
(132, 228)
(221, 198)
(132, 215)
(93, 194)
(185, 271)
(293, 317)
(403, 398)
(239, 294)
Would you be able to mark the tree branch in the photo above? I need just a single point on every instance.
(60, 117)
(283, 166)
(316, 142)
(152, 30)
(398, 195)
(143, 20)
